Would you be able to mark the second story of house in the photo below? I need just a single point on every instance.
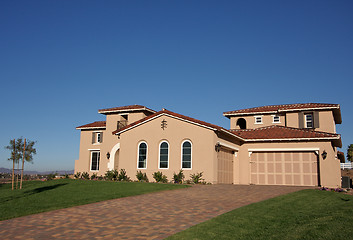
(116, 118)
(318, 116)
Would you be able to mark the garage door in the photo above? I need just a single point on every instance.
(225, 166)
(284, 168)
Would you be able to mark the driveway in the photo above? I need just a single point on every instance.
(148, 216)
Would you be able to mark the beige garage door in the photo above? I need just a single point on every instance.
(225, 166)
(284, 168)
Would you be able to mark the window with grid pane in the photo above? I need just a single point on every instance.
(163, 155)
(186, 155)
(142, 158)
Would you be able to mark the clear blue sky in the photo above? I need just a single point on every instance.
(61, 61)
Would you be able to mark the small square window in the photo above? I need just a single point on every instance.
(258, 120)
(276, 119)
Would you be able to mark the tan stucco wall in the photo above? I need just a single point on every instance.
(267, 120)
(290, 119)
(203, 153)
(329, 168)
(327, 122)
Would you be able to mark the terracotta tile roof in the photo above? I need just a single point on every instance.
(129, 108)
(278, 133)
(175, 115)
(341, 157)
(281, 108)
(94, 125)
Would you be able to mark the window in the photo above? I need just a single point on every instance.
(258, 119)
(97, 137)
(95, 156)
(309, 120)
(276, 119)
(142, 155)
(241, 122)
(186, 155)
(163, 155)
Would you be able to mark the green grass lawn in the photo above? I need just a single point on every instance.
(37, 196)
(308, 214)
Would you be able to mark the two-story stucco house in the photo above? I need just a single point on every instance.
(293, 144)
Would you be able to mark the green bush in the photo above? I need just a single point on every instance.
(111, 175)
(179, 178)
(77, 175)
(85, 175)
(51, 176)
(159, 177)
(122, 176)
(196, 177)
(94, 176)
(142, 177)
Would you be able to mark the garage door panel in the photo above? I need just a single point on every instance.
(284, 168)
(225, 166)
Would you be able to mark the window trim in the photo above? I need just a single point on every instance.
(159, 154)
(91, 158)
(138, 154)
(258, 116)
(182, 143)
(96, 137)
(273, 119)
(311, 121)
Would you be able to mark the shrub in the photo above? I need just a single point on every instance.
(100, 178)
(196, 177)
(159, 177)
(66, 176)
(111, 175)
(179, 178)
(94, 176)
(142, 177)
(85, 175)
(51, 176)
(77, 175)
(122, 176)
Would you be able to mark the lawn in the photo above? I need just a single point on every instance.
(308, 214)
(37, 196)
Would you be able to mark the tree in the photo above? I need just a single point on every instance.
(21, 149)
(350, 153)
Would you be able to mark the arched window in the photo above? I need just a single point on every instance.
(241, 123)
(142, 155)
(186, 155)
(163, 154)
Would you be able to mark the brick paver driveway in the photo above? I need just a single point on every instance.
(149, 216)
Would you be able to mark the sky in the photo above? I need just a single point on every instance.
(61, 61)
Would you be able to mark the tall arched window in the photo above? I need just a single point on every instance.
(163, 155)
(142, 155)
(186, 155)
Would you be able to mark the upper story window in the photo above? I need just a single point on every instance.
(142, 155)
(309, 123)
(95, 157)
(275, 119)
(258, 119)
(97, 137)
(186, 155)
(163, 155)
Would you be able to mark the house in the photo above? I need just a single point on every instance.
(293, 144)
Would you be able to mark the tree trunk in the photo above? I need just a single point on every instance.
(23, 162)
(13, 165)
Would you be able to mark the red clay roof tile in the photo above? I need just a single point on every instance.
(97, 124)
(125, 109)
(281, 132)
